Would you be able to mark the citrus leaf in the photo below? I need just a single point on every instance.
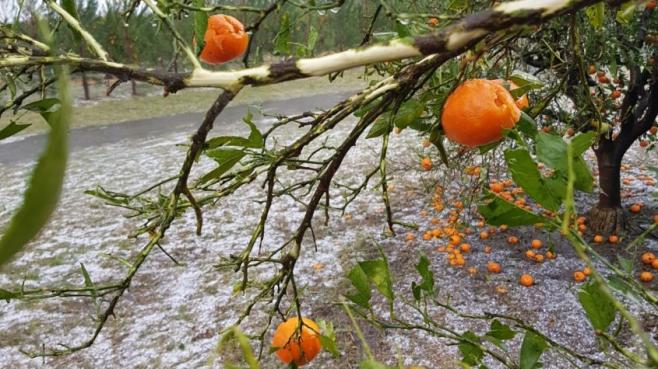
(360, 282)
(527, 125)
(381, 127)
(227, 159)
(552, 151)
(498, 211)
(427, 279)
(596, 15)
(281, 40)
(7, 295)
(600, 310)
(526, 174)
(200, 25)
(500, 331)
(11, 129)
(42, 194)
(531, 350)
(378, 273)
(471, 353)
(408, 113)
(70, 7)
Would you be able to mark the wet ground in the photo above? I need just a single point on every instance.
(170, 316)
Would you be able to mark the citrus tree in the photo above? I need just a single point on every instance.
(477, 80)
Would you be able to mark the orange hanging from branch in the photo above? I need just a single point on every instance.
(477, 111)
(225, 40)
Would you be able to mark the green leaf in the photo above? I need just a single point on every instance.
(436, 138)
(11, 129)
(599, 308)
(282, 38)
(596, 15)
(526, 174)
(227, 159)
(312, 40)
(527, 125)
(42, 194)
(360, 282)
(552, 151)
(525, 82)
(90, 284)
(498, 211)
(234, 335)
(44, 107)
(328, 337)
(256, 139)
(581, 142)
(402, 30)
(408, 113)
(200, 25)
(7, 295)
(378, 273)
(381, 127)
(500, 331)
(427, 282)
(627, 12)
(531, 350)
(471, 353)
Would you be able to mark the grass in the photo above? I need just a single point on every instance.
(110, 111)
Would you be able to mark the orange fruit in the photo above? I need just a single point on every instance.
(587, 271)
(465, 247)
(477, 111)
(644, 143)
(526, 280)
(426, 163)
(646, 277)
(615, 94)
(591, 69)
(433, 22)
(496, 187)
(613, 239)
(410, 236)
(493, 267)
(530, 254)
(570, 132)
(484, 235)
(455, 240)
(635, 208)
(651, 5)
(294, 346)
(487, 249)
(653, 130)
(536, 244)
(579, 276)
(539, 258)
(655, 219)
(512, 240)
(225, 39)
(598, 238)
(654, 264)
(550, 255)
(648, 258)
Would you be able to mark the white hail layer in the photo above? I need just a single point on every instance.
(548, 6)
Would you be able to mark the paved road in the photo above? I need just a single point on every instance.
(30, 147)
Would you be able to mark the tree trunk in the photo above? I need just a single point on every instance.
(85, 86)
(608, 217)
